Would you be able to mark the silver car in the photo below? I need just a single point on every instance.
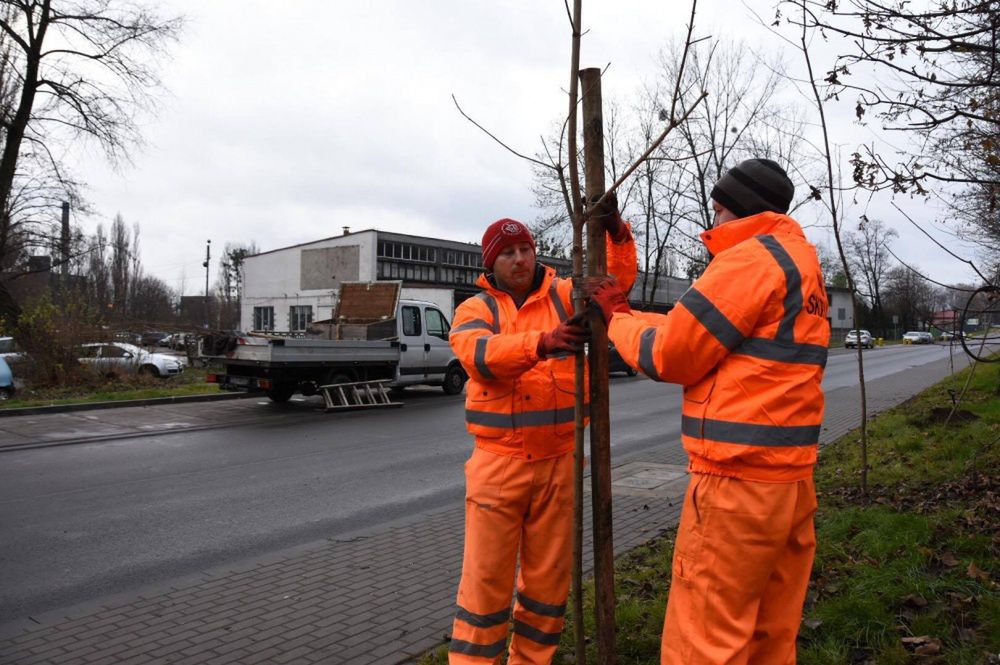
(852, 337)
(918, 337)
(119, 357)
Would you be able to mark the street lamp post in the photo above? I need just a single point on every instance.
(208, 257)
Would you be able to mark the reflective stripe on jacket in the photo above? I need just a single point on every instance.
(516, 403)
(748, 341)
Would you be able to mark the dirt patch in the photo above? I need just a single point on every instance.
(940, 414)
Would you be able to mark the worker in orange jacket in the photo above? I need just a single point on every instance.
(516, 340)
(748, 341)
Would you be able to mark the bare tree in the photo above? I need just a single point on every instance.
(829, 263)
(121, 264)
(742, 118)
(667, 197)
(911, 297)
(929, 72)
(868, 253)
(230, 282)
(936, 77)
(72, 69)
(152, 301)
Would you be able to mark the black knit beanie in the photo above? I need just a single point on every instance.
(754, 186)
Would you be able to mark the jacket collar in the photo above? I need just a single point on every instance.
(730, 234)
(543, 278)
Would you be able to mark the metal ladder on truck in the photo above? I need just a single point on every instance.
(357, 395)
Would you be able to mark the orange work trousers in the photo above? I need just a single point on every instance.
(514, 507)
(741, 566)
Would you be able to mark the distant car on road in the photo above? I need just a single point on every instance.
(852, 337)
(6, 381)
(918, 337)
(112, 357)
(951, 335)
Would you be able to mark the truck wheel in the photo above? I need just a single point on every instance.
(339, 377)
(454, 380)
(281, 392)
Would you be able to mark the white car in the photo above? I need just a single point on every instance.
(851, 339)
(918, 337)
(129, 358)
(9, 350)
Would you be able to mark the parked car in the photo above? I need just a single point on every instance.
(111, 357)
(180, 340)
(851, 339)
(6, 381)
(918, 337)
(127, 337)
(951, 335)
(151, 338)
(9, 350)
(616, 364)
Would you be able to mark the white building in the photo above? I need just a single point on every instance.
(841, 312)
(288, 288)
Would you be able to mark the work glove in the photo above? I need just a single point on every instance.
(568, 336)
(607, 213)
(608, 299)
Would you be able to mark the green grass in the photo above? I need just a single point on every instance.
(190, 382)
(919, 557)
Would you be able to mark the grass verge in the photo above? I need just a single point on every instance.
(127, 387)
(908, 574)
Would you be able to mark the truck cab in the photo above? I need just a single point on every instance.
(425, 357)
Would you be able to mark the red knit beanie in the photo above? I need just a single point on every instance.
(503, 233)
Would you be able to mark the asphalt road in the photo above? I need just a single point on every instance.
(83, 521)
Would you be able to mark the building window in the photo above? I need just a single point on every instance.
(299, 317)
(841, 313)
(263, 318)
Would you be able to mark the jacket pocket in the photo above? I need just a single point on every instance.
(489, 411)
(696, 401)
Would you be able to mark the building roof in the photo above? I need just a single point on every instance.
(436, 242)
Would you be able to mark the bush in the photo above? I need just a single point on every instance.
(49, 334)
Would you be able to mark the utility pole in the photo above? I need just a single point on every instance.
(600, 421)
(208, 257)
(64, 243)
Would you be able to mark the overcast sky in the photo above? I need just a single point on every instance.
(285, 121)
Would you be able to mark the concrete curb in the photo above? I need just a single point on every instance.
(94, 406)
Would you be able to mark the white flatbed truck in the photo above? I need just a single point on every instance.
(373, 337)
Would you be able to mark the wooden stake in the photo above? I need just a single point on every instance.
(600, 422)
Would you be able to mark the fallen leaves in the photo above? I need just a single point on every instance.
(975, 573)
(923, 645)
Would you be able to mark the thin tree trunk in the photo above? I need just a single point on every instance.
(579, 457)
(600, 422)
(843, 257)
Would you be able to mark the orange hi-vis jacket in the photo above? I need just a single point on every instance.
(518, 404)
(748, 341)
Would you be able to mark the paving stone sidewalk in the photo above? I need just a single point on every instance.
(379, 596)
